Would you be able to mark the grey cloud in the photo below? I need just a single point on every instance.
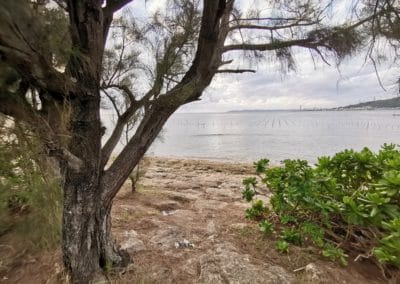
(352, 82)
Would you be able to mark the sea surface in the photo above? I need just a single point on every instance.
(276, 135)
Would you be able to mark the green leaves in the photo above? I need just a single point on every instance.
(291, 235)
(256, 211)
(248, 191)
(261, 166)
(266, 227)
(388, 250)
(350, 199)
(282, 246)
(335, 254)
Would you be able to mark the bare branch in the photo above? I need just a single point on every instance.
(272, 28)
(269, 46)
(277, 19)
(123, 120)
(113, 6)
(62, 154)
(236, 71)
(226, 62)
(113, 102)
(125, 89)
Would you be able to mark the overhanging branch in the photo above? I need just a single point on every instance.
(269, 46)
(271, 28)
(113, 6)
(19, 109)
(62, 154)
(236, 71)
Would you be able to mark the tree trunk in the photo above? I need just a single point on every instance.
(81, 244)
(110, 253)
(88, 246)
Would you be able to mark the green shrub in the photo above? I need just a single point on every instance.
(348, 202)
(256, 211)
(282, 246)
(335, 254)
(291, 235)
(266, 227)
(30, 195)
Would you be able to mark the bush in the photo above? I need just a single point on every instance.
(30, 195)
(348, 202)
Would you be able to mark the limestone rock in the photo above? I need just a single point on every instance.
(312, 274)
(223, 192)
(224, 265)
(208, 205)
(132, 242)
(166, 237)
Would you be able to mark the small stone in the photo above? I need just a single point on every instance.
(184, 244)
(312, 273)
(132, 242)
(168, 213)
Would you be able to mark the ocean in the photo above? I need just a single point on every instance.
(276, 135)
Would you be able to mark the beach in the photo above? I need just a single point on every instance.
(185, 223)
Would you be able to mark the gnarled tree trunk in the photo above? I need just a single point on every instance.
(82, 218)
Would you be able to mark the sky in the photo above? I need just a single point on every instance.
(314, 84)
(310, 86)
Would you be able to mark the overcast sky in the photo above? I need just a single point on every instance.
(312, 85)
(321, 86)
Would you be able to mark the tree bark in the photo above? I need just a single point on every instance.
(81, 247)
(80, 227)
(88, 246)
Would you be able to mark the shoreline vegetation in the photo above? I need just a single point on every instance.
(185, 223)
(386, 104)
(345, 204)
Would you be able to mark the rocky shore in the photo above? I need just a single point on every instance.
(185, 224)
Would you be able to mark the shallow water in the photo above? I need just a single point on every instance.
(276, 135)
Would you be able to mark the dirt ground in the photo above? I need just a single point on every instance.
(185, 224)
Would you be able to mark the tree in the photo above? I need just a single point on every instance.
(58, 66)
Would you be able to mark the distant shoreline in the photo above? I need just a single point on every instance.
(387, 104)
(314, 109)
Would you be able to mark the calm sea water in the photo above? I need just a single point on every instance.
(276, 135)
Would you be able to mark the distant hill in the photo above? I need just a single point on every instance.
(259, 110)
(388, 103)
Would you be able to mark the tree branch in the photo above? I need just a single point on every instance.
(122, 121)
(20, 49)
(236, 71)
(18, 108)
(62, 154)
(271, 28)
(113, 6)
(196, 79)
(278, 19)
(113, 102)
(125, 89)
(269, 46)
(123, 165)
